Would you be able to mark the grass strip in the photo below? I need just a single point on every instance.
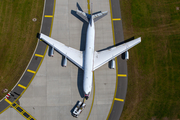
(153, 69)
(17, 37)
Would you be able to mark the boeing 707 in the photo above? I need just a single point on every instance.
(88, 60)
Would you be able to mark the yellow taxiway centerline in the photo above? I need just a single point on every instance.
(8, 101)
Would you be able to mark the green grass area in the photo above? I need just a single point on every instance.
(154, 66)
(17, 37)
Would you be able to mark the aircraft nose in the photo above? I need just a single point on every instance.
(86, 96)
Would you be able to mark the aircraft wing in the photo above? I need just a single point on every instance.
(105, 56)
(75, 56)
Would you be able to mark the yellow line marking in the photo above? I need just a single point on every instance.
(92, 98)
(39, 55)
(116, 19)
(23, 111)
(48, 16)
(8, 101)
(122, 75)
(21, 86)
(117, 99)
(115, 91)
(89, 12)
(31, 71)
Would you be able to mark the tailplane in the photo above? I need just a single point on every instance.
(87, 17)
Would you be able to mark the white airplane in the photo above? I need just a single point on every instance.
(88, 60)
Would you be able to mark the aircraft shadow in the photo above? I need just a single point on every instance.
(82, 48)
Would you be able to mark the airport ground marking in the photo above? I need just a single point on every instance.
(23, 112)
(116, 19)
(88, 1)
(110, 5)
(38, 55)
(48, 16)
(122, 75)
(31, 71)
(92, 98)
(21, 86)
(8, 101)
(118, 99)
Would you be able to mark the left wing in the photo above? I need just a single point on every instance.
(75, 56)
(100, 58)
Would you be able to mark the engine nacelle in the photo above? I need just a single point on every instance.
(64, 61)
(126, 55)
(51, 51)
(112, 64)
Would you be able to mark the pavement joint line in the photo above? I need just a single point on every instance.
(21, 86)
(38, 55)
(122, 75)
(116, 19)
(48, 16)
(31, 71)
(118, 99)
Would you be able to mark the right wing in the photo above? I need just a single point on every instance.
(75, 56)
(105, 56)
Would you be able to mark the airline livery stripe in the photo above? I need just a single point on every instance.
(117, 99)
(115, 19)
(48, 16)
(31, 71)
(39, 55)
(122, 75)
(8, 101)
(21, 86)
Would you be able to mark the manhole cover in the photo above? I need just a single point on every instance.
(5, 90)
(177, 8)
(34, 19)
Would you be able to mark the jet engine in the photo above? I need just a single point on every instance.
(112, 64)
(51, 51)
(64, 61)
(126, 55)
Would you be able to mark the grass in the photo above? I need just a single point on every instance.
(153, 69)
(17, 37)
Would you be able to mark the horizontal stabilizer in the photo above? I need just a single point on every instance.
(83, 15)
(100, 15)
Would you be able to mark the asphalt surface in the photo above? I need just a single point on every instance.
(122, 82)
(117, 106)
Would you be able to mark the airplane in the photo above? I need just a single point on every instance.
(88, 60)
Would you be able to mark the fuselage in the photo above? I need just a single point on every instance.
(89, 59)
